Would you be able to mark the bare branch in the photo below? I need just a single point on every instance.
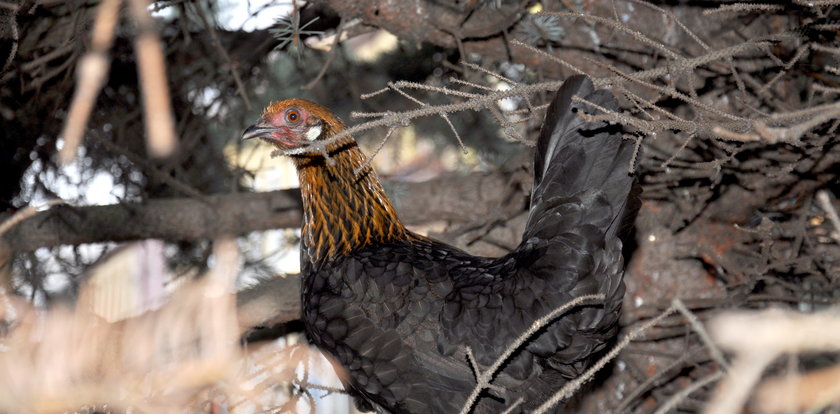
(157, 107)
(677, 398)
(91, 71)
(575, 384)
(717, 354)
(240, 87)
(24, 214)
(329, 59)
(807, 392)
(430, 110)
(772, 332)
(484, 378)
(369, 159)
(734, 390)
(461, 199)
(642, 38)
(743, 8)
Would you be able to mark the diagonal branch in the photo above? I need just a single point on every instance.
(484, 378)
(573, 385)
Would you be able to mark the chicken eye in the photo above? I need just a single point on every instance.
(292, 116)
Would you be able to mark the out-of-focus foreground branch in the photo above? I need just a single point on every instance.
(774, 332)
(182, 353)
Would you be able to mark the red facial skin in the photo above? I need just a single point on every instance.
(292, 124)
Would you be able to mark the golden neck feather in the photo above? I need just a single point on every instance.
(343, 211)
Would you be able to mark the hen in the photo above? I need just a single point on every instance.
(398, 310)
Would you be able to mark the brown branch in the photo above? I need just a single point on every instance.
(24, 214)
(795, 392)
(772, 332)
(672, 402)
(575, 384)
(214, 37)
(268, 303)
(458, 199)
(484, 377)
(328, 61)
(160, 125)
(92, 71)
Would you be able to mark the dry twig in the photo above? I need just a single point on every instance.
(485, 377)
(91, 72)
(575, 384)
(772, 333)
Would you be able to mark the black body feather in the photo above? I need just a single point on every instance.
(399, 314)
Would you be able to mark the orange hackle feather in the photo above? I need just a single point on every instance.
(343, 211)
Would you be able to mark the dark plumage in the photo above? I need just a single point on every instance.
(397, 309)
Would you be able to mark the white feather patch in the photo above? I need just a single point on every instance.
(313, 133)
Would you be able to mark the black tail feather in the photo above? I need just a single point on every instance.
(587, 161)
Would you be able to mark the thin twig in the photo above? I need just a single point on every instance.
(214, 37)
(404, 118)
(685, 359)
(91, 73)
(677, 398)
(743, 8)
(698, 327)
(330, 56)
(369, 159)
(620, 27)
(483, 378)
(575, 384)
(513, 406)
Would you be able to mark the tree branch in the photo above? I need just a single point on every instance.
(267, 304)
(462, 199)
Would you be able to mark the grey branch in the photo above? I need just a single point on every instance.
(458, 199)
(484, 378)
(269, 303)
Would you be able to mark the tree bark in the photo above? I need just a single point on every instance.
(459, 199)
(269, 304)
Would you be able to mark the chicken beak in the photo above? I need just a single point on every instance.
(258, 131)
